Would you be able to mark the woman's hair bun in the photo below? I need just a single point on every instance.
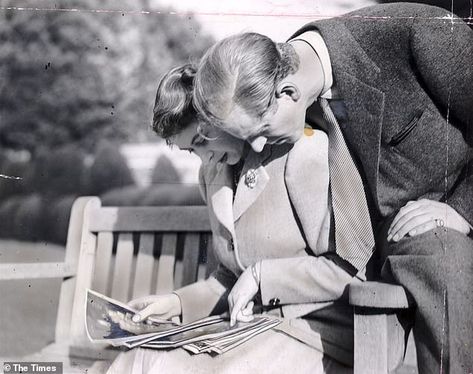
(188, 74)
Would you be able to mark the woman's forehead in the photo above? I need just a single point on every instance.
(184, 138)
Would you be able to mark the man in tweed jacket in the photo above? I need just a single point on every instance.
(403, 77)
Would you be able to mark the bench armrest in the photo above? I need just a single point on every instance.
(9, 271)
(379, 295)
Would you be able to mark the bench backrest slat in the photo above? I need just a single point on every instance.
(103, 263)
(165, 278)
(190, 258)
(123, 268)
(145, 263)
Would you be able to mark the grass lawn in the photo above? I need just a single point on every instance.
(28, 307)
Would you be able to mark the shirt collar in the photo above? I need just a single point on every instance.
(315, 40)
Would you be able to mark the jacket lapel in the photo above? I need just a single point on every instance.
(220, 195)
(245, 195)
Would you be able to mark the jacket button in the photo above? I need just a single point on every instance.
(274, 301)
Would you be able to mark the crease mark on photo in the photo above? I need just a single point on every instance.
(455, 19)
(10, 177)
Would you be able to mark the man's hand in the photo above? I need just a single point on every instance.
(162, 306)
(239, 299)
(420, 216)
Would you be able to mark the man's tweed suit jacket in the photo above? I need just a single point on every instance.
(405, 73)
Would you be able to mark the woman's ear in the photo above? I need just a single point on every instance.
(288, 89)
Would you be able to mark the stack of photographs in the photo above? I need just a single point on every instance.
(108, 320)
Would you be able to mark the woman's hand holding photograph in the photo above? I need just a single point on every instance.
(162, 306)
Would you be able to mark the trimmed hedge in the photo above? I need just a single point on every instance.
(164, 172)
(7, 217)
(158, 195)
(29, 218)
(57, 219)
(11, 187)
(57, 172)
(66, 172)
(37, 207)
(36, 218)
(108, 171)
(181, 194)
(126, 196)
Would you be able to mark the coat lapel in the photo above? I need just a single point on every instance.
(356, 78)
(220, 195)
(245, 195)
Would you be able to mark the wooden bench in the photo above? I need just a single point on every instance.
(123, 252)
(380, 342)
(128, 252)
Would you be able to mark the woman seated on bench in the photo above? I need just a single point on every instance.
(270, 224)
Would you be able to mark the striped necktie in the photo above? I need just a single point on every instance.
(354, 238)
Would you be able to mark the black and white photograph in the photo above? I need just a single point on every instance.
(225, 187)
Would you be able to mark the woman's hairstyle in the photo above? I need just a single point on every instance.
(243, 69)
(173, 110)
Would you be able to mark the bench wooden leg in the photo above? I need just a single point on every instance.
(373, 334)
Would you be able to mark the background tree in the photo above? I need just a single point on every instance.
(81, 76)
(54, 87)
(78, 78)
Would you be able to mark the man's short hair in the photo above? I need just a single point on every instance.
(243, 69)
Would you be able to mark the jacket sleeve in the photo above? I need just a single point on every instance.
(302, 280)
(208, 297)
(315, 278)
(442, 47)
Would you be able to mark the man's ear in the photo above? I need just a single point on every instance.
(288, 89)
